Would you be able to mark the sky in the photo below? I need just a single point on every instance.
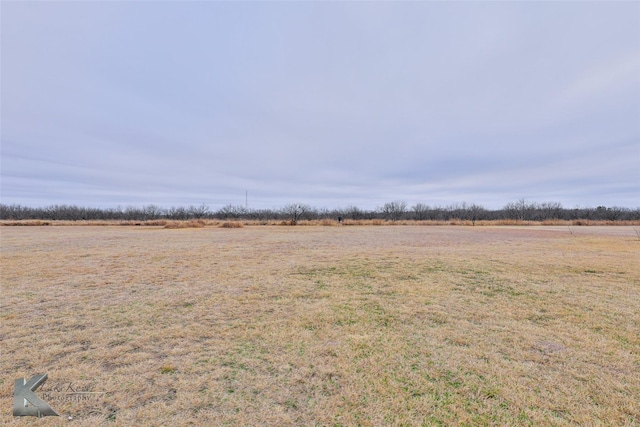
(331, 104)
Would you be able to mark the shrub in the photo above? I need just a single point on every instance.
(196, 223)
(156, 222)
(231, 224)
(26, 223)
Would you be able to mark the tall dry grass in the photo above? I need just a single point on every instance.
(196, 223)
(324, 222)
(231, 224)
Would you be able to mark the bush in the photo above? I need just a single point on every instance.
(231, 224)
(196, 223)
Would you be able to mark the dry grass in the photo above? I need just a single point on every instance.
(325, 325)
(314, 222)
(27, 222)
(231, 224)
(196, 223)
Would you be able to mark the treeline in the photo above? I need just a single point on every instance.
(521, 210)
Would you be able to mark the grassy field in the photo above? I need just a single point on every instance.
(327, 326)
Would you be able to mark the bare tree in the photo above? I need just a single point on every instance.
(520, 210)
(177, 213)
(353, 212)
(152, 212)
(263, 214)
(436, 212)
(198, 211)
(474, 211)
(613, 213)
(393, 210)
(550, 210)
(296, 211)
(420, 211)
(324, 213)
(231, 211)
(15, 211)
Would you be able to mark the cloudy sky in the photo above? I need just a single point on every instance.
(325, 103)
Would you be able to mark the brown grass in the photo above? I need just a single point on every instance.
(28, 222)
(346, 326)
(196, 223)
(329, 222)
(231, 224)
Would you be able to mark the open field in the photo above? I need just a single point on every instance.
(328, 326)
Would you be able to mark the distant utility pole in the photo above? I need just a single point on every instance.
(246, 200)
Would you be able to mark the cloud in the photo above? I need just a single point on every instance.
(615, 78)
(324, 103)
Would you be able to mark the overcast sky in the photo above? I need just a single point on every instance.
(325, 103)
